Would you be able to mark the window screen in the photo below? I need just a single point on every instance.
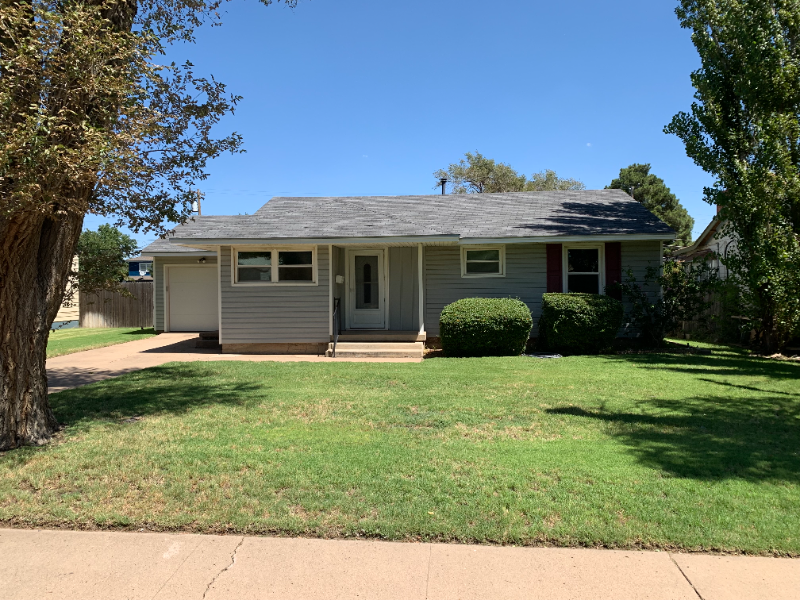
(254, 266)
(483, 262)
(583, 270)
(295, 266)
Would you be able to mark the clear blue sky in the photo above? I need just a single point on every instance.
(366, 97)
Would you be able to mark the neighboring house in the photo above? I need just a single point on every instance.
(69, 312)
(712, 243)
(140, 267)
(269, 282)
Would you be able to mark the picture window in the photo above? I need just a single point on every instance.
(275, 266)
(483, 262)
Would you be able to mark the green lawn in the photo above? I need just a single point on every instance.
(67, 341)
(669, 451)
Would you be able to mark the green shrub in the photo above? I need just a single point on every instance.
(485, 327)
(579, 323)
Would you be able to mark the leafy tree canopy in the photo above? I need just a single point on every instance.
(92, 120)
(743, 128)
(101, 258)
(476, 174)
(652, 192)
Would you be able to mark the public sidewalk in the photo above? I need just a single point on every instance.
(109, 566)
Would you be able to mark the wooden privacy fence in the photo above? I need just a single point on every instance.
(110, 309)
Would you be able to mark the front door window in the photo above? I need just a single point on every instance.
(366, 295)
(367, 292)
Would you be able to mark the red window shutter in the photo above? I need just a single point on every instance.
(614, 267)
(555, 273)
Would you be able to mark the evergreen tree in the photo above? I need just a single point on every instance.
(652, 192)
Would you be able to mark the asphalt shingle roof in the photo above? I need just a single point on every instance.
(164, 245)
(510, 215)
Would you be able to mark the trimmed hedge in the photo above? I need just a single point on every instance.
(579, 323)
(485, 327)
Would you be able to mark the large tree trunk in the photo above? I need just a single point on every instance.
(35, 260)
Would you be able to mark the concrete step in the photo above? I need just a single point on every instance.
(381, 336)
(209, 335)
(377, 350)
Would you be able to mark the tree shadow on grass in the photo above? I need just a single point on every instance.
(728, 362)
(710, 437)
(138, 332)
(753, 435)
(173, 388)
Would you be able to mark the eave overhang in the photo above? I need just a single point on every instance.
(208, 243)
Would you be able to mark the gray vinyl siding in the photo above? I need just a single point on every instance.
(275, 314)
(637, 256)
(159, 301)
(338, 267)
(403, 289)
(526, 279)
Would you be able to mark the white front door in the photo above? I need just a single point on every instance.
(367, 303)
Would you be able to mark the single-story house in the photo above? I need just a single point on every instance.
(298, 270)
(140, 267)
(713, 243)
(69, 311)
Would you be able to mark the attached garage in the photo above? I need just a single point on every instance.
(192, 298)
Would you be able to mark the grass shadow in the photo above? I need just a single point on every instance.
(172, 388)
(711, 437)
(727, 362)
(138, 332)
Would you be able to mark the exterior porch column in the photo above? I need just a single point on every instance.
(331, 280)
(421, 283)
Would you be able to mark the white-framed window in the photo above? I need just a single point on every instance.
(483, 261)
(584, 270)
(275, 266)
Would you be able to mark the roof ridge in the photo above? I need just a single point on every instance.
(390, 216)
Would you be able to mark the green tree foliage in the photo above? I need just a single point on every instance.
(685, 292)
(476, 174)
(652, 192)
(101, 258)
(548, 181)
(92, 120)
(743, 128)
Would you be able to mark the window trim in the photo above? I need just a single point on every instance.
(465, 249)
(601, 260)
(274, 267)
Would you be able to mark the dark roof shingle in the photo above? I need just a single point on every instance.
(510, 215)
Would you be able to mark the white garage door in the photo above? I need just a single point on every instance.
(192, 298)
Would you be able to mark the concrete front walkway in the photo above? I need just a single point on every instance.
(108, 566)
(80, 368)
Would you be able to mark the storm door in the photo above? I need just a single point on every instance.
(367, 304)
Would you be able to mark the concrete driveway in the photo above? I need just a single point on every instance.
(74, 565)
(80, 368)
